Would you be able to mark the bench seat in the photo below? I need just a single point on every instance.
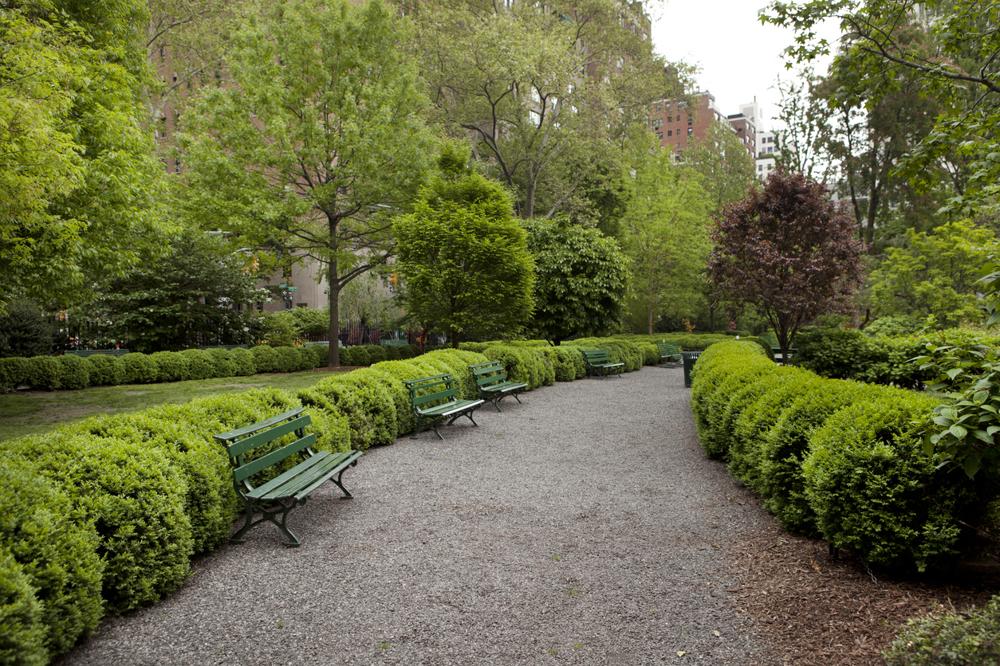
(274, 498)
(435, 399)
(599, 363)
(493, 383)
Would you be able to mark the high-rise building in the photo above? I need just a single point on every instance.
(680, 122)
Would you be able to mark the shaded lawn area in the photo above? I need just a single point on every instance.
(29, 412)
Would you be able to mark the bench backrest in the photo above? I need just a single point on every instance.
(668, 349)
(243, 441)
(488, 374)
(427, 392)
(596, 356)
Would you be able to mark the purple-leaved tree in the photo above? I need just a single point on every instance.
(788, 250)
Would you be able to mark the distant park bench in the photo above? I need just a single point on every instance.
(435, 399)
(275, 498)
(599, 363)
(491, 378)
(669, 353)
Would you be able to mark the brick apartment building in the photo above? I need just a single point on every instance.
(679, 123)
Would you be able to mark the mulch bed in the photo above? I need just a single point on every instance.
(810, 608)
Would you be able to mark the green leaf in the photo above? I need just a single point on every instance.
(958, 431)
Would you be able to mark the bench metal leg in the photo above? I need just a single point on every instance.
(347, 493)
(268, 514)
(516, 398)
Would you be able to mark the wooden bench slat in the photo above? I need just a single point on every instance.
(433, 397)
(260, 425)
(244, 446)
(450, 408)
(303, 479)
(244, 472)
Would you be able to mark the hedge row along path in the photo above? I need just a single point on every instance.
(585, 526)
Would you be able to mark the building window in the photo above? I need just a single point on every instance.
(670, 132)
(690, 131)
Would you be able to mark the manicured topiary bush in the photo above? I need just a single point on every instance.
(369, 408)
(74, 372)
(569, 364)
(243, 364)
(950, 639)
(319, 353)
(13, 373)
(392, 375)
(787, 444)
(222, 362)
(43, 372)
(105, 370)
(751, 414)
(266, 358)
(877, 491)
(717, 384)
(456, 363)
(139, 369)
(356, 355)
(173, 366)
(22, 631)
(199, 364)
(135, 497)
(56, 553)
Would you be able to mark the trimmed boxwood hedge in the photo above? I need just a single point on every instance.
(22, 631)
(971, 638)
(843, 459)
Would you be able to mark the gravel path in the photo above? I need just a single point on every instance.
(584, 526)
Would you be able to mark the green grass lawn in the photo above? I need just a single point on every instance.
(28, 412)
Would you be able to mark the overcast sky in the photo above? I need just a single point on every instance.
(739, 58)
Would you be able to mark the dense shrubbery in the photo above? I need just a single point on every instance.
(852, 354)
(839, 459)
(950, 639)
(106, 513)
(72, 372)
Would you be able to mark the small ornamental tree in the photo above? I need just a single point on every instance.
(464, 259)
(581, 280)
(788, 250)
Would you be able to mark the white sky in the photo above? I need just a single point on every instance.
(738, 57)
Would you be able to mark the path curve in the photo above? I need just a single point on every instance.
(584, 526)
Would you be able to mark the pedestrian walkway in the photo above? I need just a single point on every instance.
(582, 527)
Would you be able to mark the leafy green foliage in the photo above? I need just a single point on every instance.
(464, 260)
(173, 366)
(105, 370)
(24, 330)
(368, 406)
(139, 368)
(264, 158)
(935, 274)
(877, 491)
(581, 278)
(56, 552)
(726, 168)
(949, 639)
(22, 632)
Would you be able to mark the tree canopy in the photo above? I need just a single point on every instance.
(789, 251)
(464, 260)
(581, 280)
(318, 140)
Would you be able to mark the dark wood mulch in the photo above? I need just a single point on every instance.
(811, 608)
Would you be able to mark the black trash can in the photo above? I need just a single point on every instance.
(689, 361)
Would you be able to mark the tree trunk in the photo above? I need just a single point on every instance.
(649, 320)
(529, 200)
(333, 356)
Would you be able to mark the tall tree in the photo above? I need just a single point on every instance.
(464, 260)
(539, 86)
(78, 177)
(665, 232)
(581, 280)
(724, 163)
(319, 140)
(805, 118)
(789, 251)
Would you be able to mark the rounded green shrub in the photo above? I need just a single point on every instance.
(13, 373)
(307, 359)
(243, 364)
(566, 363)
(319, 354)
(715, 437)
(376, 353)
(222, 362)
(105, 370)
(173, 366)
(368, 406)
(266, 359)
(787, 444)
(56, 553)
(134, 497)
(456, 362)
(876, 490)
(43, 372)
(289, 359)
(22, 631)
(950, 639)
(74, 372)
(139, 368)
(751, 414)
(200, 364)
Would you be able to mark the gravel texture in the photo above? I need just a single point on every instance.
(584, 526)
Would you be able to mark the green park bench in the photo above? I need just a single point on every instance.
(599, 363)
(491, 378)
(276, 497)
(435, 399)
(669, 353)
